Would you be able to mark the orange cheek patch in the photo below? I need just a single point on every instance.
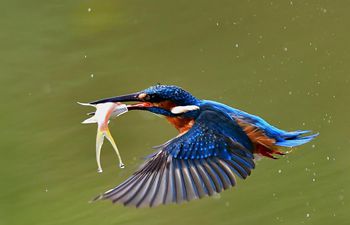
(168, 105)
(142, 95)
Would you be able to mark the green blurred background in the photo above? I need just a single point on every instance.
(287, 61)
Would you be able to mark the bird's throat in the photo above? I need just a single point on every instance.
(181, 124)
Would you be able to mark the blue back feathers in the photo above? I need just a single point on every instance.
(283, 138)
(181, 97)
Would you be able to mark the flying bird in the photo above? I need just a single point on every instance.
(216, 143)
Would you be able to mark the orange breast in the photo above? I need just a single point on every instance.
(181, 124)
(165, 105)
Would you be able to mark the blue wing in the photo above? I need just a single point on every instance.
(199, 163)
(214, 134)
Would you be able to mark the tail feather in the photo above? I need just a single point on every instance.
(269, 146)
(295, 139)
(296, 133)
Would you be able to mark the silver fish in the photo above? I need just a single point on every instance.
(104, 112)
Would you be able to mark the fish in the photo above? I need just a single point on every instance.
(104, 112)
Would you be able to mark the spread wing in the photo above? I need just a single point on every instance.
(199, 163)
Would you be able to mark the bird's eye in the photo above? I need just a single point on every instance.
(144, 97)
(151, 98)
(147, 98)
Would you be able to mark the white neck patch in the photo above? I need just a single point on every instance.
(183, 109)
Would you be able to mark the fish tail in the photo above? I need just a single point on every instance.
(99, 142)
(111, 140)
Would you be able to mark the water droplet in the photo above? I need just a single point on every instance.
(216, 196)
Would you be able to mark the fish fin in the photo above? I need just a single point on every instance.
(92, 119)
(86, 104)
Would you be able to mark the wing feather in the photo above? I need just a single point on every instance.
(197, 180)
(201, 162)
(170, 195)
(221, 174)
(213, 176)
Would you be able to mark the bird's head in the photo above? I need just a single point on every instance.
(166, 100)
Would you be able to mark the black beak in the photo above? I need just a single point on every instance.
(122, 98)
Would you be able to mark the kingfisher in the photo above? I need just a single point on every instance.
(216, 143)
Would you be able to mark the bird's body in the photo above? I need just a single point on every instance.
(215, 144)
